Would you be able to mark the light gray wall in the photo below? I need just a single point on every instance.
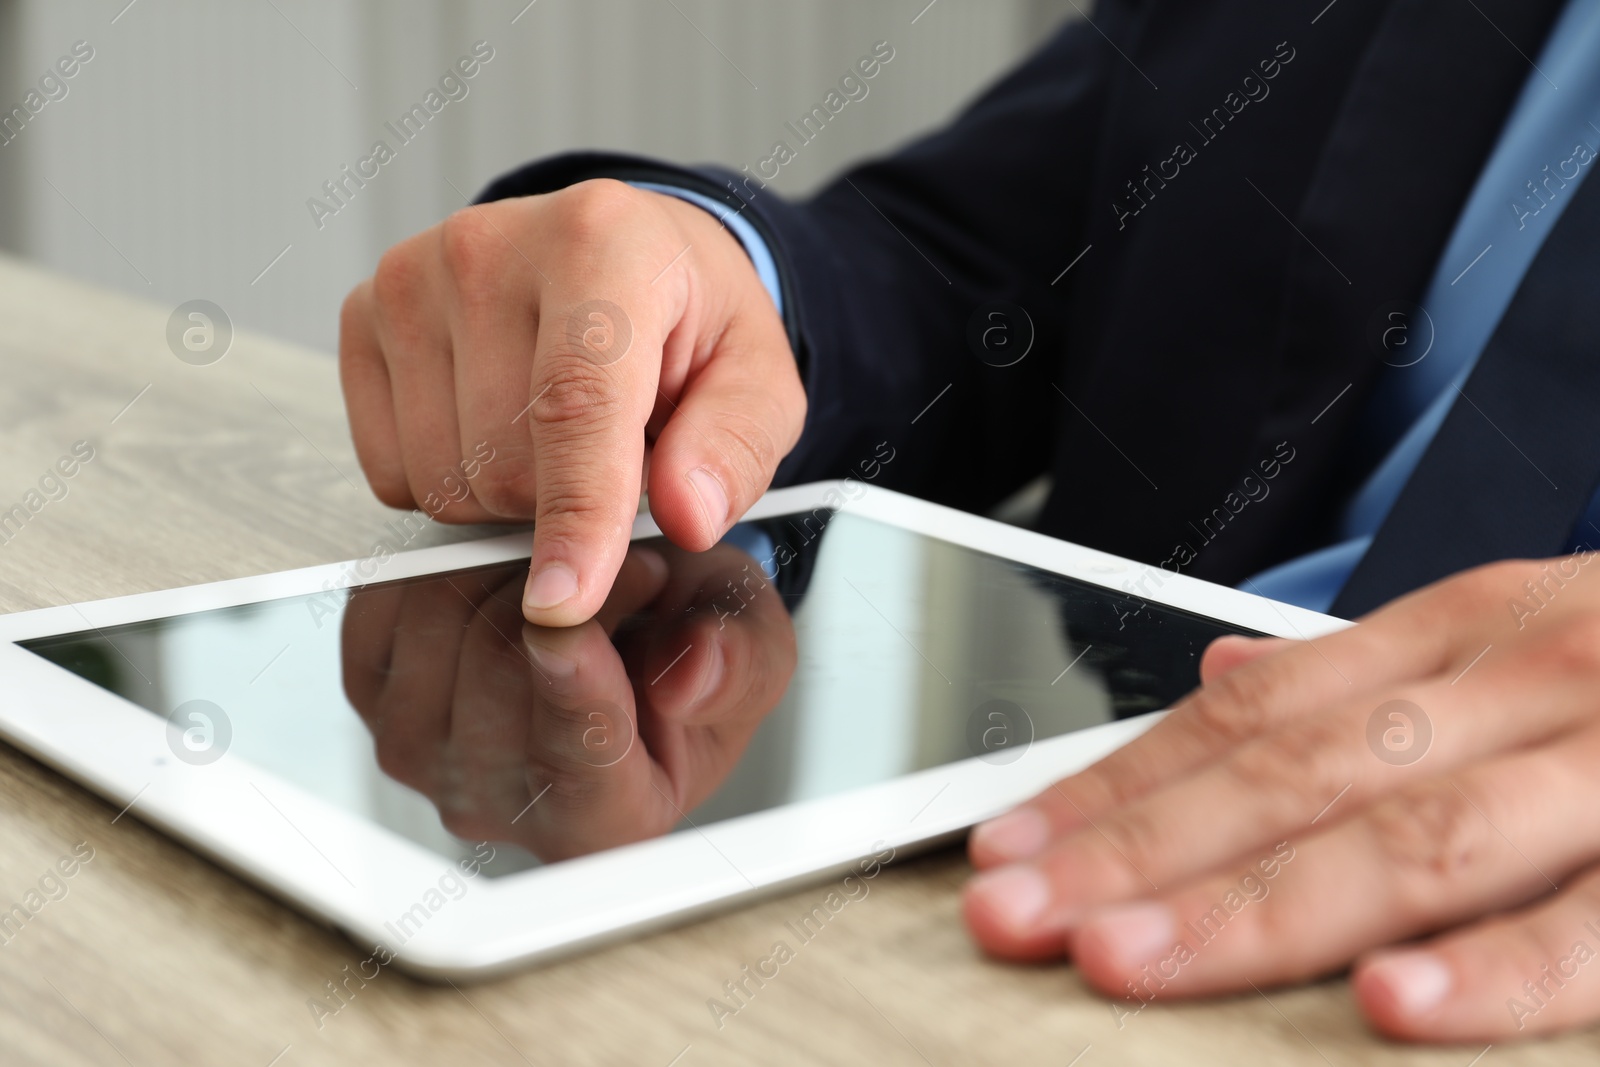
(180, 162)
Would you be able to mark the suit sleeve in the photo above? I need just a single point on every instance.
(887, 276)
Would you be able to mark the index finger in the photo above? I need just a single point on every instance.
(593, 388)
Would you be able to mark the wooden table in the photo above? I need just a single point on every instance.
(156, 956)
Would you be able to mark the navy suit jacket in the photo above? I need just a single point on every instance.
(1255, 184)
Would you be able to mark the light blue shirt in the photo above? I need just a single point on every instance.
(739, 226)
(1548, 146)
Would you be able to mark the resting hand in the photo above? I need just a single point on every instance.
(1283, 823)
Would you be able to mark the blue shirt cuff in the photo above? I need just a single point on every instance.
(760, 255)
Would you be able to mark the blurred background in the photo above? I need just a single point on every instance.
(177, 163)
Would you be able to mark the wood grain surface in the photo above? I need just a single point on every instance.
(156, 956)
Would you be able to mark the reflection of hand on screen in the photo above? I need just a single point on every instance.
(567, 741)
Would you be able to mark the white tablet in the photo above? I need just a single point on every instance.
(850, 676)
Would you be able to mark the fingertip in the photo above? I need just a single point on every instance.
(1020, 834)
(1115, 941)
(690, 507)
(1376, 1004)
(1399, 991)
(1008, 911)
(553, 662)
(713, 500)
(685, 674)
(549, 586)
(551, 596)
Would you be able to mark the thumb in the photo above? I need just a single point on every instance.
(735, 419)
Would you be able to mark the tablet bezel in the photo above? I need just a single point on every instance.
(285, 839)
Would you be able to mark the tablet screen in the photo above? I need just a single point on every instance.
(803, 656)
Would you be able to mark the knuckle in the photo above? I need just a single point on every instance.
(1279, 927)
(596, 209)
(399, 281)
(1137, 838)
(1491, 579)
(1289, 767)
(577, 396)
(1477, 589)
(470, 247)
(576, 511)
(561, 763)
(355, 314)
(1429, 835)
(573, 785)
(1233, 707)
(1106, 786)
(751, 449)
(1573, 647)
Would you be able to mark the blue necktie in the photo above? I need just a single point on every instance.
(1513, 467)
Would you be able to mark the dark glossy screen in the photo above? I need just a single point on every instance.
(803, 656)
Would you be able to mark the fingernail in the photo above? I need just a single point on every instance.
(712, 672)
(551, 586)
(1417, 981)
(652, 561)
(553, 664)
(713, 499)
(1016, 835)
(1016, 895)
(1131, 934)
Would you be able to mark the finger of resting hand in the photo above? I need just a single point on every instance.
(1242, 704)
(1519, 975)
(1317, 769)
(1235, 650)
(1439, 852)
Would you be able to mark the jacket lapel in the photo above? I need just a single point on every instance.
(1422, 114)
